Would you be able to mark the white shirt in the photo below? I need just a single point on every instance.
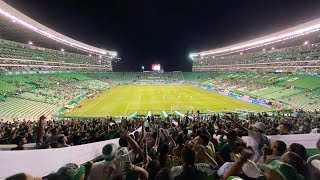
(98, 169)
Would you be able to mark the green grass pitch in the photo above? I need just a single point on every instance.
(124, 100)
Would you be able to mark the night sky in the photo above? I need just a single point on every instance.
(166, 31)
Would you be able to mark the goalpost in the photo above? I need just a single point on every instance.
(182, 109)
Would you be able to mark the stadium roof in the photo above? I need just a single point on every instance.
(18, 27)
(285, 35)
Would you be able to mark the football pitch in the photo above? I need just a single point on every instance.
(125, 100)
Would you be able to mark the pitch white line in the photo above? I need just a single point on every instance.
(97, 102)
(126, 109)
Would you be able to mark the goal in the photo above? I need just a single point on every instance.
(182, 109)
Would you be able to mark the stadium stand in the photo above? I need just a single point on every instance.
(37, 83)
(15, 56)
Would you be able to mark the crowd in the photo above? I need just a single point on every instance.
(178, 148)
(56, 134)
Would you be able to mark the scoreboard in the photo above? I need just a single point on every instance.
(156, 67)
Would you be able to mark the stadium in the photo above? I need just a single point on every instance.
(56, 91)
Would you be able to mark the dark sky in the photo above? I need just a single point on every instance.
(166, 31)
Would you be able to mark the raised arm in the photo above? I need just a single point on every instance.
(142, 173)
(142, 132)
(40, 131)
(107, 129)
(202, 150)
(156, 144)
(251, 116)
(114, 122)
(234, 170)
(134, 145)
(236, 167)
(169, 138)
(233, 120)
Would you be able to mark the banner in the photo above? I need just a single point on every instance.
(41, 162)
(258, 101)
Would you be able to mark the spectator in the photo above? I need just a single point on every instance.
(164, 157)
(71, 171)
(62, 140)
(277, 149)
(313, 165)
(164, 174)
(257, 135)
(294, 160)
(20, 142)
(299, 149)
(191, 170)
(178, 150)
(113, 164)
(153, 168)
(54, 136)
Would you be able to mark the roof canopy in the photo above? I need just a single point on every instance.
(14, 22)
(291, 33)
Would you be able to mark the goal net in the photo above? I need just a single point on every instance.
(182, 109)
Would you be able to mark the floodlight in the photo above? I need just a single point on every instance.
(241, 53)
(264, 50)
(90, 55)
(306, 42)
(272, 48)
(62, 49)
(30, 42)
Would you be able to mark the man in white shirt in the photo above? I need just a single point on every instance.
(113, 163)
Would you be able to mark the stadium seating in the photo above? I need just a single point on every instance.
(268, 86)
(18, 56)
(285, 58)
(23, 109)
(308, 101)
(305, 82)
(198, 76)
(60, 88)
